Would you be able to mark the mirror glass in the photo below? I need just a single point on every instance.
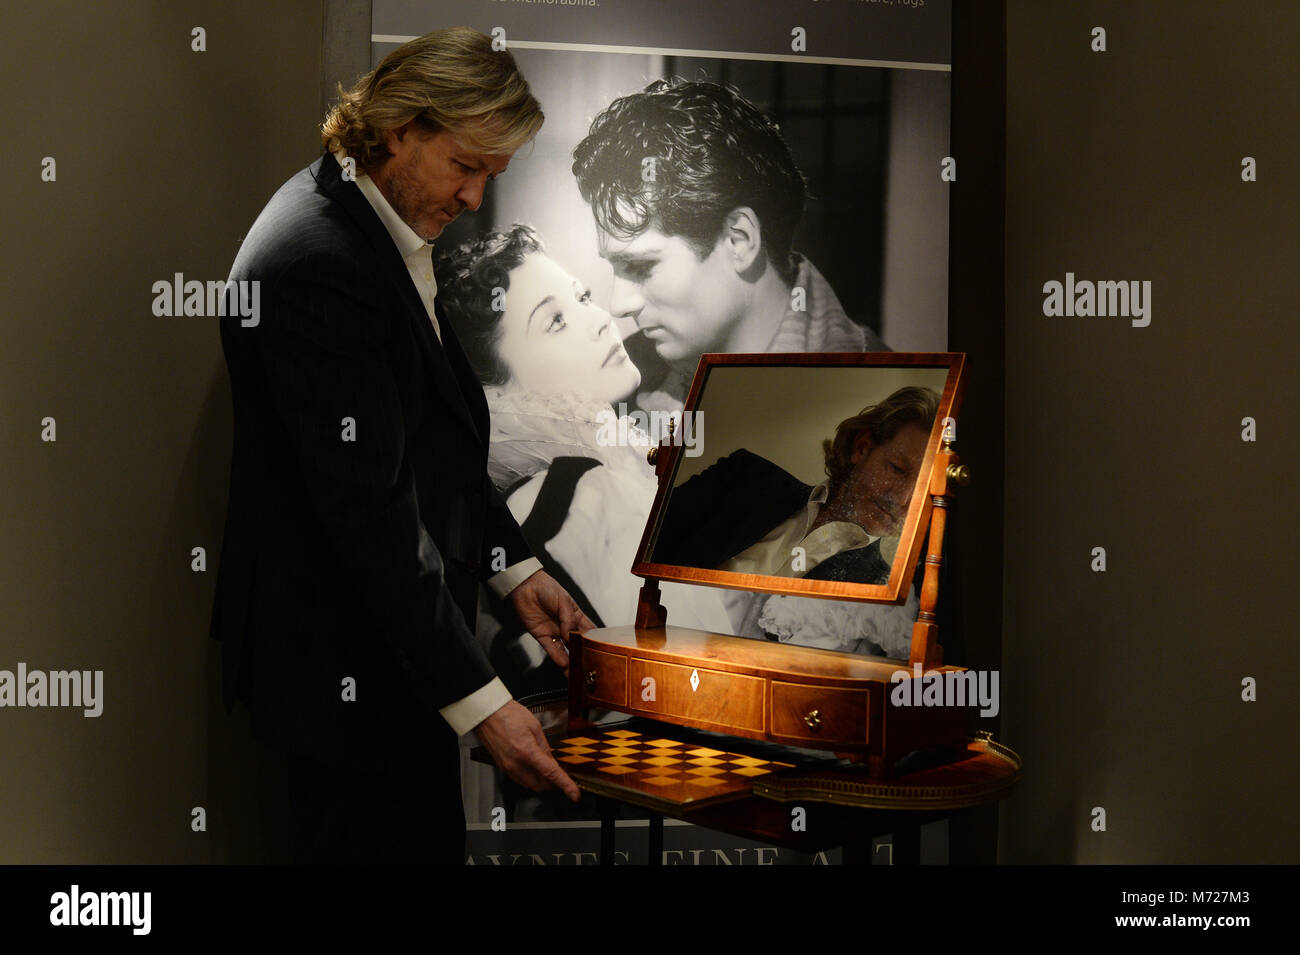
(802, 478)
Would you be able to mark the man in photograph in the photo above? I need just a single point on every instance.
(696, 198)
(361, 518)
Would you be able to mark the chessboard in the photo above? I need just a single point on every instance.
(657, 771)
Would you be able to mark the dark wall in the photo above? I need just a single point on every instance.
(1122, 689)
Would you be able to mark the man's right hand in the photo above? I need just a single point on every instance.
(514, 738)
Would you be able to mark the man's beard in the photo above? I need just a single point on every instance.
(892, 519)
(404, 197)
(838, 508)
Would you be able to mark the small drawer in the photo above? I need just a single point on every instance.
(606, 677)
(723, 700)
(816, 713)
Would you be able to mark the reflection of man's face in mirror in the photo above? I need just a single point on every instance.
(877, 490)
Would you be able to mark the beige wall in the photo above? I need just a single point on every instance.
(164, 157)
(1122, 690)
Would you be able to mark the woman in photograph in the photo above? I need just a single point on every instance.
(553, 368)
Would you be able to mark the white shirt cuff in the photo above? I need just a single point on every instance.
(464, 715)
(510, 578)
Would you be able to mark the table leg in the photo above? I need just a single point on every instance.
(656, 839)
(907, 845)
(608, 810)
(857, 852)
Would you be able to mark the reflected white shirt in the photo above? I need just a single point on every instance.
(774, 555)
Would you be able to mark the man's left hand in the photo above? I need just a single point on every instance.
(550, 615)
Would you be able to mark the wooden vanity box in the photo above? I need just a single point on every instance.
(800, 696)
(778, 692)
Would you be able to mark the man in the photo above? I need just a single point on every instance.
(747, 515)
(361, 516)
(696, 199)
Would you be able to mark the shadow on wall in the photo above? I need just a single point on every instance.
(246, 797)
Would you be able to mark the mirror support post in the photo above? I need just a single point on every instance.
(925, 632)
(650, 613)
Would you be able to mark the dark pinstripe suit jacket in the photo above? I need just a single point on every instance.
(353, 558)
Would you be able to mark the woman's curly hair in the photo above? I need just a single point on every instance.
(468, 281)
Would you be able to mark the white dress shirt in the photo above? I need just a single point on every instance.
(417, 253)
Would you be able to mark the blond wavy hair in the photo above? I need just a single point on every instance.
(450, 80)
(906, 406)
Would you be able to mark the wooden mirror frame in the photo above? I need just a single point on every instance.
(912, 538)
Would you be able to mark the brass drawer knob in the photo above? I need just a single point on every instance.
(591, 679)
(814, 720)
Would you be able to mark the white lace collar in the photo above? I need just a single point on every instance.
(530, 429)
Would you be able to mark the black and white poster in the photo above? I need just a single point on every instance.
(705, 181)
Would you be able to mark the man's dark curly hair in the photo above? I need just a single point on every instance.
(713, 151)
(466, 278)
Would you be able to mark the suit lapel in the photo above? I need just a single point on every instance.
(463, 396)
(471, 389)
(447, 382)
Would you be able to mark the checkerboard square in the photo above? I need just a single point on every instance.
(670, 780)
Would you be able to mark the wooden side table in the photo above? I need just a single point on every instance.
(751, 790)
